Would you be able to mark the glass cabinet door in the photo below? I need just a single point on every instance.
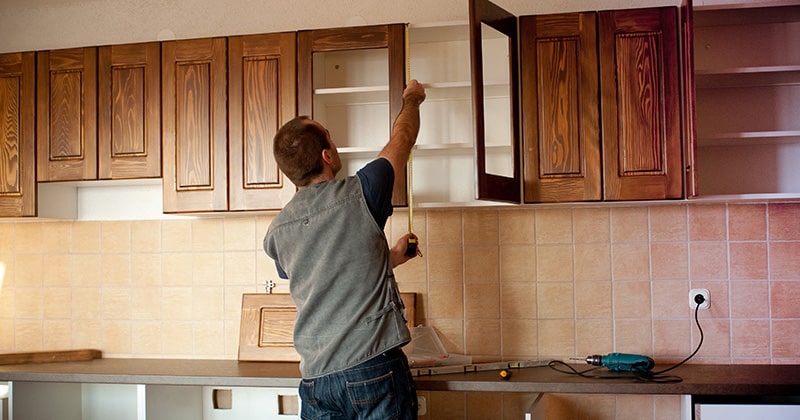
(493, 35)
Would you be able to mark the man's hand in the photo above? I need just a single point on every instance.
(397, 255)
(414, 94)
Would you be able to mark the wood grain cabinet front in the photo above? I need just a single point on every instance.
(66, 115)
(266, 331)
(129, 111)
(194, 125)
(602, 91)
(640, 102)
(561, 136)
(223, 101)
(17, 137)
(261, 97)
(600, 103)
(98, 113)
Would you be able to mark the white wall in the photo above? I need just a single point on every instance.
(28, 25)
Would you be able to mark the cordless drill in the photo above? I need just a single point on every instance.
(622, 362)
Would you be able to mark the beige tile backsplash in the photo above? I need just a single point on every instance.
(498, 284)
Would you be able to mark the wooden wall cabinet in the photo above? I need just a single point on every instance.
(129, 111)
(224, 96)
(66, 114)
(98, 113)
(351, 80)
(601, 105)
(748, 94)
(194, 125)
(261, 97)
(561, 85)
(17, 136)
(640, 99)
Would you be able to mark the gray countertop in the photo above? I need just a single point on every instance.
(158, 372)
(721, 380)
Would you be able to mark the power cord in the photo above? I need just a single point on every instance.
(648, 376)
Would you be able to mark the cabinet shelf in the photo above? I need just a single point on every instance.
(352, 96)
(423, 149)
(750, 137)
(739, 77)
(749, 69)
(379, 94)
(353, 89)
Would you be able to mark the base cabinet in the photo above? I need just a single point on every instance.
(82, 401)
(74, 401)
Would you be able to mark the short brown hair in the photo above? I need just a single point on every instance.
(298, 149)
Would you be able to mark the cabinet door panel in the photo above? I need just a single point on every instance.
(688, 90)
(194, 127)
(561, 131)
(640, 104)
(66, 115)
(129, 111)
(261, 92)
(17, 139)
(485, 15)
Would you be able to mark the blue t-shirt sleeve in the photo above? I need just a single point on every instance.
(377, 182)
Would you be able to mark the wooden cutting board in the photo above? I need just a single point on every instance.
(267, 326)
(50, 356)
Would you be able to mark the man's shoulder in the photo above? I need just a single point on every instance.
(378, 169)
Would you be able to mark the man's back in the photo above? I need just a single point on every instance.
(337, 260)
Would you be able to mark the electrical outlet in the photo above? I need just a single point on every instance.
(422, 405)
(706, 302)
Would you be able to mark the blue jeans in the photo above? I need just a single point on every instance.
(381, 388)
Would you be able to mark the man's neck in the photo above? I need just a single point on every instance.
(323, 177)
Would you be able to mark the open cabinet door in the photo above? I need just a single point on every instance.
(494, 40)
(689, 98)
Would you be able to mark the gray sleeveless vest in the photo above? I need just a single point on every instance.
(340, 277)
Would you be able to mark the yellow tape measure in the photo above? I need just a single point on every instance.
(412, 248)
(410, 178)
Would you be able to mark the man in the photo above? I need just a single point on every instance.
(329, 242)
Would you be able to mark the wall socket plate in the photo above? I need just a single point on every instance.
(422, 405)
(695, 292)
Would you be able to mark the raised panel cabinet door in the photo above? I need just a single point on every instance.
(561, 123)
(641, 104)
(129, 111)
(66, 115)
(392, 37)
(17, 137)
(194, 125)
(261, 97)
